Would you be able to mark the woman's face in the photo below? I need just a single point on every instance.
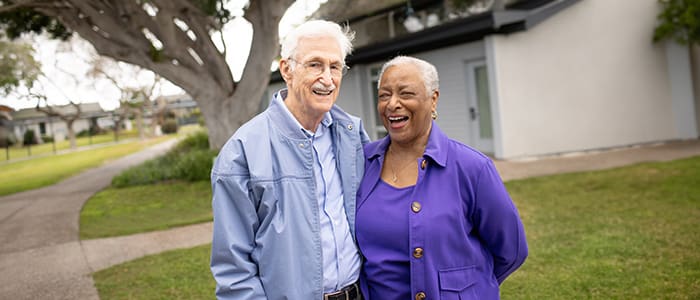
(405, 105)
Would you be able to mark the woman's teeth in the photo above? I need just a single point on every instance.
(397, 119)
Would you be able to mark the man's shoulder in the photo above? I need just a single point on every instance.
(253, 126)
(339, 114)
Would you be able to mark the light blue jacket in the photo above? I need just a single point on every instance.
(266, 242)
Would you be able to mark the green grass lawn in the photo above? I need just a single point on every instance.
(123, 211)
(180, 274)
(17, 151)
(29, 174)
(627, 233)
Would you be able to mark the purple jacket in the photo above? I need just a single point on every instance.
(465, 234)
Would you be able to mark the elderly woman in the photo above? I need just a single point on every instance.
(434, 220)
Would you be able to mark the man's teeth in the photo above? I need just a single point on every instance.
(323, 92)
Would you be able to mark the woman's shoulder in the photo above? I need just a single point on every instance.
(462, 153)
(373, 148)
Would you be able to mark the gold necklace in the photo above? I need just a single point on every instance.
(395, 178)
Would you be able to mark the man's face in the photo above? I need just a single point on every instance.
(313, 92)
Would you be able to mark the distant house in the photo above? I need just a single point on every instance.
(42, 125)
(536, 78)
(181, 106)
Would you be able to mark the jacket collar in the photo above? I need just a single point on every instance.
(436, 149)
(290, 127)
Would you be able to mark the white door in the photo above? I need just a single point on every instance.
(479, 118)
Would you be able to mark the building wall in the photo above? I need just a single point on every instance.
(589, 77)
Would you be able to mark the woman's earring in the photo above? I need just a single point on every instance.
(434, 115)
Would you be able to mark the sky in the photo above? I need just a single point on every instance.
(64, 64)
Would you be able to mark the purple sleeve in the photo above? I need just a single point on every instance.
(498, 223)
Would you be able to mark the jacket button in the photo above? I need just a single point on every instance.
(420, 296)
(415, 206)
(418, 252)
(349, 126)
(423, 164)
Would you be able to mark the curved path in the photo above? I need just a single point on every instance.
(41, 255)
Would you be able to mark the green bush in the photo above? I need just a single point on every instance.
(30, 137)
(197, 140)
(47, 138)
(169, 126)
(190, 160)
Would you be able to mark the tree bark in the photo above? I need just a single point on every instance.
(71, 133)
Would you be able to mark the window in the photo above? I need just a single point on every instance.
(42, 128)
(379, 129)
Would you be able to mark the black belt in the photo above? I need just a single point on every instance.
(350, 292)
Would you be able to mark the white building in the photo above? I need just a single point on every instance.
(43, 125)
(536, 78)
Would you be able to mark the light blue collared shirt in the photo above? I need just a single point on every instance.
(341, 259)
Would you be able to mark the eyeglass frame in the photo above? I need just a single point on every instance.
(343, 69)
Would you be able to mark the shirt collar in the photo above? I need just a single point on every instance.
(325, 122)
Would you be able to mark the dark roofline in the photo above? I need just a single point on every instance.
(459, 31)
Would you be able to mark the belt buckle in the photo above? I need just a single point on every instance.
(345, 292)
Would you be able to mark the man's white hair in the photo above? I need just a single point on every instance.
(427, 70)
(318, 28)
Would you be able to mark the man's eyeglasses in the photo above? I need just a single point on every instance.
(317, 68)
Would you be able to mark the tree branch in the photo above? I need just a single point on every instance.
(109, 38)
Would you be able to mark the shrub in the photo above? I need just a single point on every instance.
(47, 138)
(30, 137)
(189, 160)
(194, 165)
(196, 140)
(169, 126)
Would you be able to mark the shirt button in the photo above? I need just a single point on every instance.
(349, 126)
(420, 296)
(423, 164)
(301, 145)
(418, 252)
(415, 206)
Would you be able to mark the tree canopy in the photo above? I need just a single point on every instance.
(173, 38)
(17, 66)
(680, 21)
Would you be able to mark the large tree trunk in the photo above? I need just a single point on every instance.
(224, 114)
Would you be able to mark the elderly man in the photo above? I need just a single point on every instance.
(284, 185)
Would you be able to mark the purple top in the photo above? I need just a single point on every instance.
(385, 245)
(463, 232)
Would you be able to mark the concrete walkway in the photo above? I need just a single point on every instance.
(598, 160)
(41, 256)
